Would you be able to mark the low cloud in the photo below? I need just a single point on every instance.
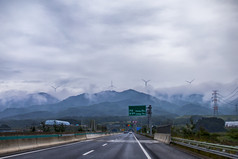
(83, 46)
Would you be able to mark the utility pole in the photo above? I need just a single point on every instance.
(215, 102)
(149, 112)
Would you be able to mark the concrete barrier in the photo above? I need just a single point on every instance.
(162, 137)
(47, 141)
(17, 143)
(27, 143)
(10, 144)
(94, 135)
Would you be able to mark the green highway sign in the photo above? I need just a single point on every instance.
(139, 110)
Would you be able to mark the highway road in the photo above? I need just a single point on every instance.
(120, 146)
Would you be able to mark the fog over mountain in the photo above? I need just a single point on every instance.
(81, 46)
(183, 100)
(111, 103)
(22, 99)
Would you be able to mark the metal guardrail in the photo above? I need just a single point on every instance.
(217, 149)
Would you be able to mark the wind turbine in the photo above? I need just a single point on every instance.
(111, 86)
(55, 88)
(146, 82)
(190, 82)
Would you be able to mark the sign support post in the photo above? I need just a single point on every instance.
(149, 112)
(142, 111)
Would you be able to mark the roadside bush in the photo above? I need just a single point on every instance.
(233, 133)
(59, 128)
(203, 133)
(44, 128)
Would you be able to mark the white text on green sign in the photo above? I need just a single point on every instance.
(139, 110)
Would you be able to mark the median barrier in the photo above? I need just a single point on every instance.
(66, 138)
(79, 137)
(94, 135)
(47, 141)
(10, 144)
(27, 143)
(162, 137)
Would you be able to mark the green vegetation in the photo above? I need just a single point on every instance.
(59, 128)
(211, 124)
(44, 128)
(203, 131)
(190, 127)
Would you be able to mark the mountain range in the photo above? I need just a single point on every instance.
(25, 100)
(106, 103)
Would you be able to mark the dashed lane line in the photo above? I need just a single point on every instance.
(88, 152)
(104, 145)
(30, 152)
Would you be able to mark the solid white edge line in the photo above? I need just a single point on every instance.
(88, 152)
(25, 153)
(147, 155)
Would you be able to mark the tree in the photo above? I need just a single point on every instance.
(104, 128)
(233, 133)
(33, 129)
(5, 126)
(144, 129)
(80, 129)
(202, 133)
(59, 128)
(44, 127)
(212, 124)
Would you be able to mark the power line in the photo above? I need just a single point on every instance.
(221, 99)
(226, 103)
(229, 99)
(232, 94)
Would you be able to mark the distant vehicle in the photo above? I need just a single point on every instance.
(130, 132)
(125, 132)
(56, 122)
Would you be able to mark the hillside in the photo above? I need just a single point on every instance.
(107, 103)
(26, 100)
(111, 103)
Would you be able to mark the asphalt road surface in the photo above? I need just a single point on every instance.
(121, 146)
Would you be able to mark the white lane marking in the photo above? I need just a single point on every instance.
(25, 153)
(133, 141)
(88, 152)
(147, 155)
(104, 145)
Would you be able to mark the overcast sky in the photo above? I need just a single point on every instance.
(83, 45)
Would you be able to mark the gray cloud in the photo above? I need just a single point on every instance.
(60, 42)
